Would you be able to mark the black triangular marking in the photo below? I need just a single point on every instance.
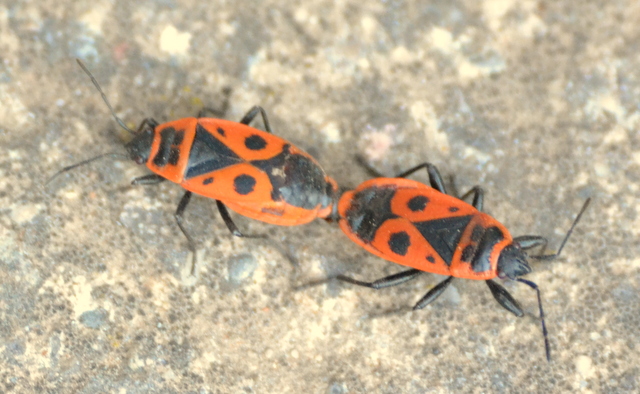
(208, 154)
(444, 234)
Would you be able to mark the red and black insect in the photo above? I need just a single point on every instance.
(253, 172)
(412, 224)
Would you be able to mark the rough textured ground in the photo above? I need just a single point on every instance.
(538, 101)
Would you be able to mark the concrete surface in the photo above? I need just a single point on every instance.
(538, 101)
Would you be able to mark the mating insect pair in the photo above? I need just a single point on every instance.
(264, 177)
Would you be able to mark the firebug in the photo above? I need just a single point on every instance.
(250, 171)
(422, 227)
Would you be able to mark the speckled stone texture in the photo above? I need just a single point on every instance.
(537, 101)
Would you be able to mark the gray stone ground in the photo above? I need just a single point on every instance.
(538, 101)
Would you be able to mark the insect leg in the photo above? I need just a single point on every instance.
(433, 294)
(253, 112)
(151, 179)
(387, 281)
(224, 213)
(435, 179)
(179, 215)
(478, 197)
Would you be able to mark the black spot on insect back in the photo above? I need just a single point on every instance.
(399, 243)
(418, 203)
(255, 142)
(244, 184)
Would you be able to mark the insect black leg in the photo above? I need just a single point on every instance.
(224, 213)
(151, 179)
(504, 298)
(253, 112)
(544, 326)
(372, 171)
(478, 197)
(217, 112)
(412, 170)
(377, 174)
(435, 179)
(388, 281)
(532, 241)
(147, 123)
(433, 294)
(453, 187)
(509, 303)
(184, 201)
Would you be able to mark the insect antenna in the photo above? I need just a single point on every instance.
(116, 155)
(566, 238)
(104, 96)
